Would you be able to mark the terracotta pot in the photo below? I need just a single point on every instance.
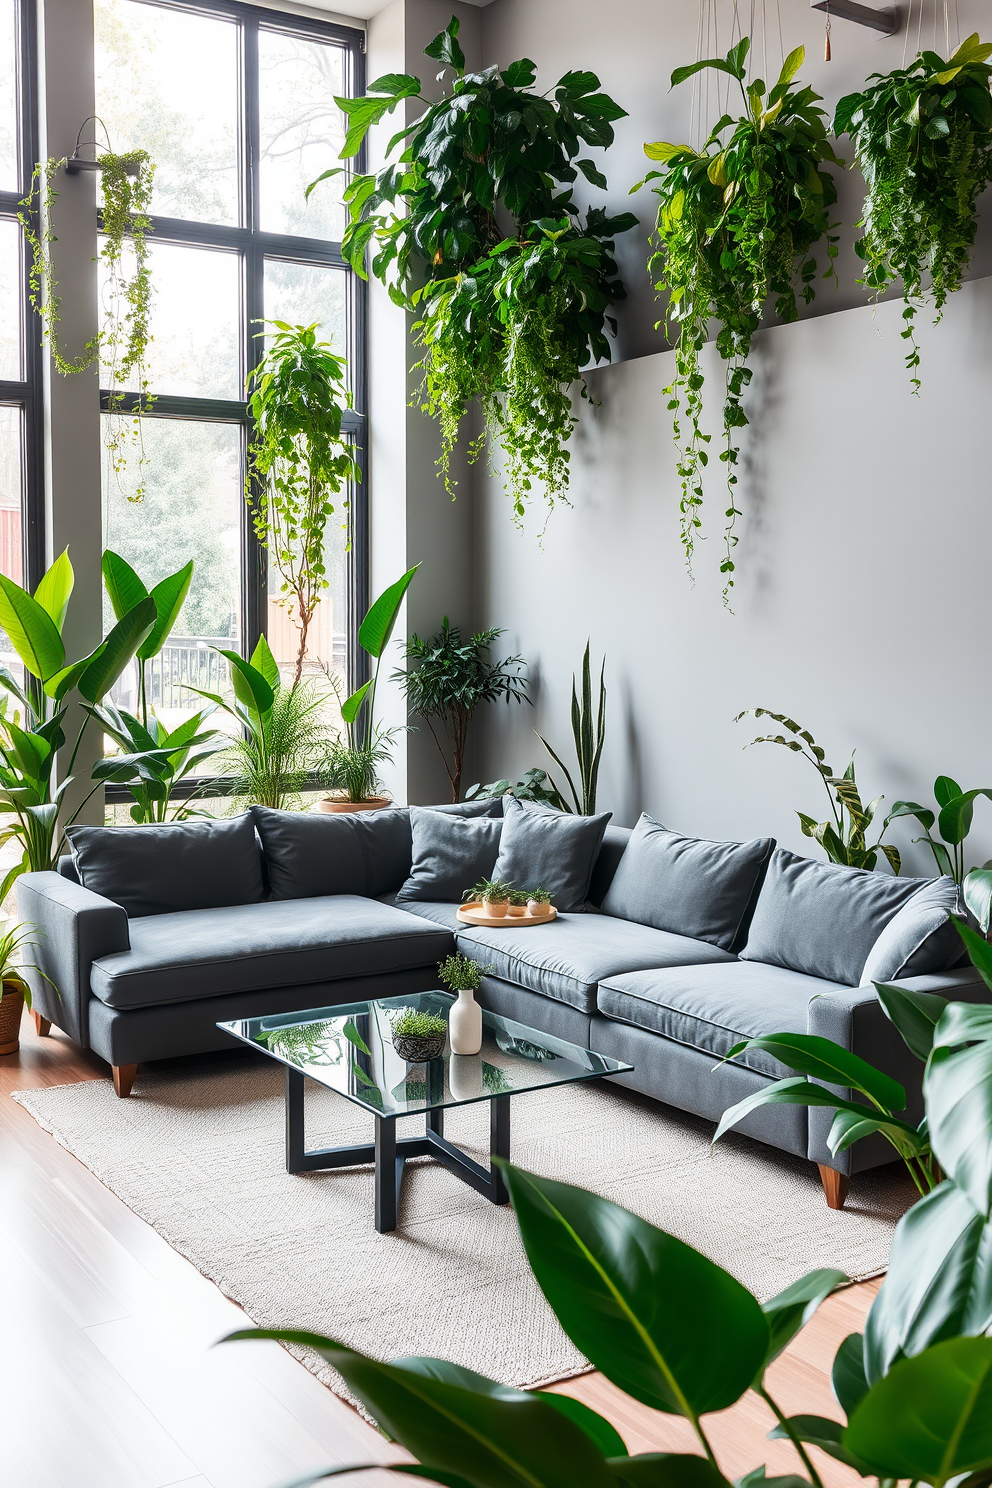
(11, 1004)
(517, 910)
(497, 908)
(330, 804)
(535, 906)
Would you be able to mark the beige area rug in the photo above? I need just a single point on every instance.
(198, 1153)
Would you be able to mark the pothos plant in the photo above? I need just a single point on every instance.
(923, 139)
(509, 320)
(737, 220)
(121, 343)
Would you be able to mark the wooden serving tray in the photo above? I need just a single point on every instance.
(474, 914)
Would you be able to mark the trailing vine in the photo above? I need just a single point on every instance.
(121, 343)
(737, 222)
(509, 321)
(923, 139)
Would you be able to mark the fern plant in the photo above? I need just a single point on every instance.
(737, 221)
(923, 139)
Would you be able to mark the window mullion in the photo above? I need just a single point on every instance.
(255, 566)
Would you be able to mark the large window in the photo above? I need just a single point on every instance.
(236, 107)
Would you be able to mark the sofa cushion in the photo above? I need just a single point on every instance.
(155, 870)
(920, 938)
(363, 852)
(206, 953)
(822, 919)
(711, 1008)
(611, 851)
(549, 849)
(568, 958)
(686, 884)
(450, 854)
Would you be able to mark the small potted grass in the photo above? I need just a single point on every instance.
(538, 901)
(418, 1037)
(518, 903)
(494, 894)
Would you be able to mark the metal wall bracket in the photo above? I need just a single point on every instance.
(886, 21)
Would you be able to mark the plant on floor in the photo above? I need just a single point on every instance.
(32, 714)
(953, 817)
(121, 342)
(736, 220)
(589, 735)
(534, 785)
(460, 974)
(450, 677)
(298, 458)
(352, 764)
(510, 320)
(844, 838)
(923, 140)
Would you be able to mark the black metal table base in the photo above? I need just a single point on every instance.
(390, 1154)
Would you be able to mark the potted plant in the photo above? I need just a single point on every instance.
(418, 1036)
(463, 977)
(517, 904)
(351, 769)
(494, 894)
(538, 901)
(15, 993)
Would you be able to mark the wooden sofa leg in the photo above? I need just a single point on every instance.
(42, 1026)
(835, 1186)
(124, 1078)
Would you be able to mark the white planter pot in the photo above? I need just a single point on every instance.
(465, 1025)
(465, 1076)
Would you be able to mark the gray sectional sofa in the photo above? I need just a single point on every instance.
(293, 911)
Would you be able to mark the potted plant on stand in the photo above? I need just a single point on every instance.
(15, 994)
(352, 766)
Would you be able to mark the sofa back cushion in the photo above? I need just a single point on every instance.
(823, 919)
(613, 847)
(542, 848)
(154, 870)
(450, 854)
(309, 853)
(687, 885)
(920, 939)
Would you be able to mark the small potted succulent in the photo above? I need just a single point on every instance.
(538, 901)
(418, 1037)
(463, 977)
(495, 896)
(518, 903)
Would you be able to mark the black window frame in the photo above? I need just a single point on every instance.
(255, 246)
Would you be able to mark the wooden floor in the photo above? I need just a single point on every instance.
(110, 1380)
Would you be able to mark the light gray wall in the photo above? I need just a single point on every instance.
(862, 600)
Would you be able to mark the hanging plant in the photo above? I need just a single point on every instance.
(923, 139)
(121, 343)
(737, 222)
(509, 321)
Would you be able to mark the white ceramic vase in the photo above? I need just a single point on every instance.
(465, 1025)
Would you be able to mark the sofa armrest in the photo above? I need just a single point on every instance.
(73, 927)
(854, 1018)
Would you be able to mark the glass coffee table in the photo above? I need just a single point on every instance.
(349, 1049)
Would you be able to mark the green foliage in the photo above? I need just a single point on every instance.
(154, 759)
(534, 785)
(923, 139)
(355, 769)
(539, 895)
(121, 343)
(450, 678)
(460, 974)
(125, 590)
(844, 838)
(508, 320)
(493, 889)
(955, 810)
(589, 735)
(11, 962)
(297, 459)
(737, 220)
(412, 1024)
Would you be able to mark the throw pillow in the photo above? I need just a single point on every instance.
(450, 854)
(920, 939)
(822, 919)
(155, 870)
(541, 848)
(687, 885)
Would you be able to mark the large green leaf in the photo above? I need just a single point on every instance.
(492, 1440)
(124, 588)
(169, 596)
(642, 1306)
(32, 631)
(377, 627)
(979, 950)
(931, 1417)
(250, 687)
(818, 1431)
(957, 1086)
(963, 1023)
(789, 1311)
(797, 1092)
(939, 1282)
(954, 821)
(978, 896)
(848, 1373)
(112, 656)
(666, 1470)
(915, 1015)
(351, 706)
(263, 661)
(55, 589)
(821, 1058)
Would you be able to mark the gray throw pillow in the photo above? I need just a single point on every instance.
(155, 870)
(450, 854)
(687, 885)
(823, 919)
(541, 848)
(920, 939)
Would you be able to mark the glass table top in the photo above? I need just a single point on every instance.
(349, 1049)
